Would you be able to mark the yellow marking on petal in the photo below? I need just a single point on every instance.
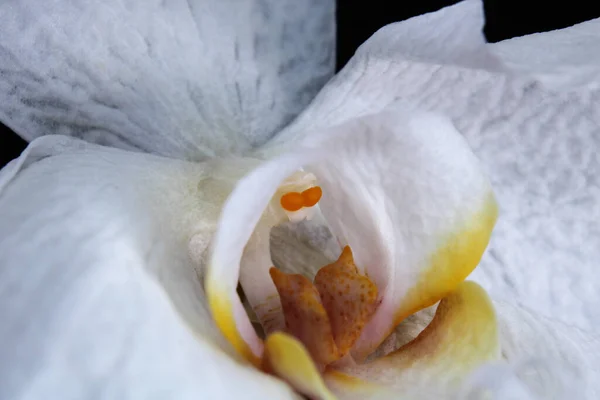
(450, 265)
(287, 358)
(462, 336)
(349, 298)
(222, 312)
(348, 381)
(453, 262)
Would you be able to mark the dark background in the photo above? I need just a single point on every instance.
(357, 20)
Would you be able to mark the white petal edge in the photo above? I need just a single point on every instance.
(543, 358)
(100, 297)
(562, 59)
(414, 61)
(452, 35)
(187, 79)
(549, 356)
(397, 186)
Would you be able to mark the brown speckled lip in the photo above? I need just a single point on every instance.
(327, 316)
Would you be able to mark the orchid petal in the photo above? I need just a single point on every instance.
(427, 212)
(553, 359)
(239, 219)
(398, 62)
(515, 121)
(562, 59)
(462, 336)
(184, 79)
(402, 189)
(452, 35)
(100, 297)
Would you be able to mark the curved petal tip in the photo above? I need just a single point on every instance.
(462, 336)
(288, 358)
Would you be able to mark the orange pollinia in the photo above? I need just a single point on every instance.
(294, 201)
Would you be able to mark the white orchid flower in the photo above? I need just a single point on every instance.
(119, 269)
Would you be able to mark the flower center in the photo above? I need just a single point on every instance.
(329, 314)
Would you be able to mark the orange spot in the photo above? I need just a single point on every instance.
(292, 201)
(305, 317)
(348, 297)
(312, 196)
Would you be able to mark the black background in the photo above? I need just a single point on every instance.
(357, 20)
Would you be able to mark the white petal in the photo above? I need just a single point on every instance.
(544, 359)
(381, 72)
(410, 199)
(554, 360)
(99, 295)
(238, 221)
(538, 145)
(451, 35)
(402, 189)
(185, 79)
(564, 58)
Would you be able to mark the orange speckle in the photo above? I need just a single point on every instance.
(350, 301)
(329, 315)
(312, 196)
(292, 201)
(305, 317)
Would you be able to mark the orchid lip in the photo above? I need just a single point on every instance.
(327, 316)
